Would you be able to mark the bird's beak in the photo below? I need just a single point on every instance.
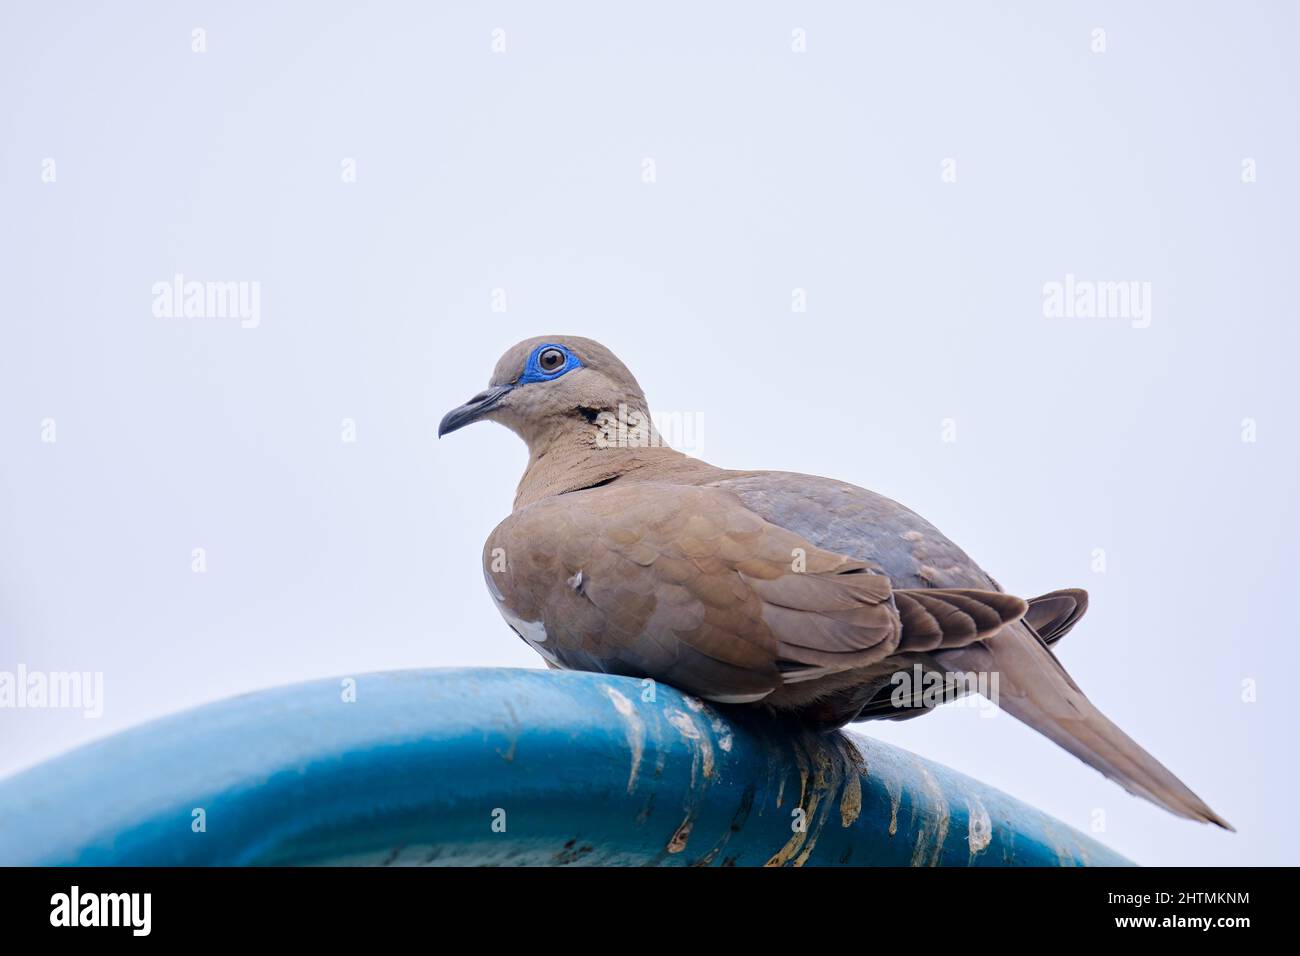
(472, 410)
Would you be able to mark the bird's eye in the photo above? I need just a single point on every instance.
(550, 360)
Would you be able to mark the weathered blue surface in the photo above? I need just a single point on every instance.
(581, 768)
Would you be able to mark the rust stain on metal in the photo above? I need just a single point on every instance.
(851, 800)
(633, 729)
(571, 853)
(720, 728)
(817, 795)
(934, 828)
(738, 820)
(798, 834)
(646, 808)
(855, 769)
(724, 734)
(678, 842)
(979, 828)
(701, 744)
(783, 856)
(826, 781)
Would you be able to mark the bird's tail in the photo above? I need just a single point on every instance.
(1034, 688)
(1052, 615)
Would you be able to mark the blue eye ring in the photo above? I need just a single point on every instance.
(535, 371)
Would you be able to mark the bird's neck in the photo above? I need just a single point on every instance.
(590, 453)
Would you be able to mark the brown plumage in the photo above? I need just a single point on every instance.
(788, 591)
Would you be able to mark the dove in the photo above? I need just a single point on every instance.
(800, 594)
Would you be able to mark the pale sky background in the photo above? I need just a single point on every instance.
(776, 170)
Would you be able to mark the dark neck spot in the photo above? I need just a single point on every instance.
(599, 484)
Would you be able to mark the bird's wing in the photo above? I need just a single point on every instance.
(859, 523)
(687, 585)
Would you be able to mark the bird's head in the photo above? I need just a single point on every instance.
(551, 385)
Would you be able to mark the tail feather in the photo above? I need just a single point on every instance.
(1036, 690)
(1053, 614)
